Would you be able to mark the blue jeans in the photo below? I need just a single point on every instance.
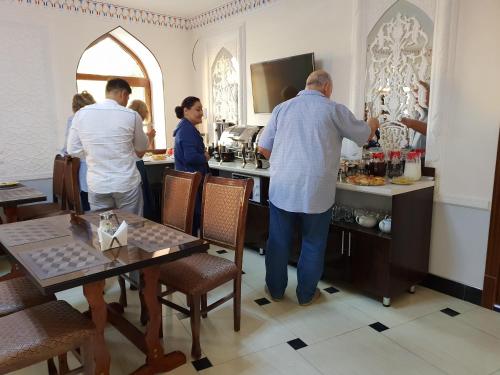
(314, 229)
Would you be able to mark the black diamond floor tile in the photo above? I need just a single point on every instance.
(297, 344)
(379, 327)
(221, 251)
(450, 312)
(243, 272)
(202, 364)
(262, 301)
(331, 290)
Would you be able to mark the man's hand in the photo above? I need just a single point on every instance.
(207, 155)
(374, 124)
(265, 152)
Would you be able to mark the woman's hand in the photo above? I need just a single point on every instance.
(207, 155)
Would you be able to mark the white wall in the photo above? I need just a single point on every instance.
(468, 144)
(41, 48)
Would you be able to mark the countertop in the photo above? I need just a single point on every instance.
(149, 161)
(386, 190)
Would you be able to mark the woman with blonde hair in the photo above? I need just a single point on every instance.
(148, 210)
(80, 100)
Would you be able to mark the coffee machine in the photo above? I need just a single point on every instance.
(239, 141)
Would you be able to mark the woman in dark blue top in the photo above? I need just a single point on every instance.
(189, 151)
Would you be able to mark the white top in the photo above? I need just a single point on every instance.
(108, 135)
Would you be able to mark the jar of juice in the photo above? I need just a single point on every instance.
(413, 167)
(377, 165)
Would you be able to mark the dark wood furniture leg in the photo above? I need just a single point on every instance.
(156, 361)
(194, 305)
(94, 294)
(10, 214)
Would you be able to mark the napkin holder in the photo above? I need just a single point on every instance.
(109, 241)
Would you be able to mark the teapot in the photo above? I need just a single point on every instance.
(385, 225)
(366, 221)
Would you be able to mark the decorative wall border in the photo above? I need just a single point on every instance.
(122, 13)
(226, 11)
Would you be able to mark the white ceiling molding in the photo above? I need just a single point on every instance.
(124, 13)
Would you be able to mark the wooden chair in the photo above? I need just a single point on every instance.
(72, 184)
(43, 332)
(179, 197)
(18, 293)
(223, 223)
(39, 210)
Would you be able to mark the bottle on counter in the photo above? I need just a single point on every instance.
(413, 166)
(377, 164)
(394, 165)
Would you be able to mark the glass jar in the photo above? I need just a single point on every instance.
(421, 154)
(413, 167)
(395, 165)
(377, 164)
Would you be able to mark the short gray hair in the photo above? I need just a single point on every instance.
(318, 78)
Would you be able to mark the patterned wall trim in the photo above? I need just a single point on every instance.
(101, 9)
(226, 11)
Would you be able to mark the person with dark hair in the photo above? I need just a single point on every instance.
(189, 150)
(108, 134)
(80, 100)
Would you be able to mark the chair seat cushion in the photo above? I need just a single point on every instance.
(41, 332)
(19, 294)
(39, 210)
(198, 273)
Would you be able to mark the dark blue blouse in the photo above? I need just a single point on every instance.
(189, 149)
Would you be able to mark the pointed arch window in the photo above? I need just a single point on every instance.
(225, 82)
(109, 58)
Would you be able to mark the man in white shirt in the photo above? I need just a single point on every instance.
(108, 134)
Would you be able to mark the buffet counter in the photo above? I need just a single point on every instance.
(387, 190)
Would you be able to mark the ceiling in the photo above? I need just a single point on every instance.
(180, 8)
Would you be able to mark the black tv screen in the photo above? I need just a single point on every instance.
(276, 81)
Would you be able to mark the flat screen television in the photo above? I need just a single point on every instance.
(275, 81)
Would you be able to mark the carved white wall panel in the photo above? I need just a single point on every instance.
(225, 87)
(28, 141)
(398, 57)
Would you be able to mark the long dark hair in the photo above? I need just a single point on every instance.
(186, 103)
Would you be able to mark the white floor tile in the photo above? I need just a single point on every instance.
(278, 360)
(405, 307)
(483, 319)
(449, 344)
(365, 351)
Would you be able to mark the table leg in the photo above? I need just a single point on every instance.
(98, 310)
(10, 214)
(156, 361)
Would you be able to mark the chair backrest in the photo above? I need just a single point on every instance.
(224, 213)
(58, 188)
(179, 199)
(72, 184)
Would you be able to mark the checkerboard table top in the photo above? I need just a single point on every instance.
(158, 237)
(61, 259)
(20, 194)
(63, 251)
(30, 231)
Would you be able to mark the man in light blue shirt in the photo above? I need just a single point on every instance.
(303, 140)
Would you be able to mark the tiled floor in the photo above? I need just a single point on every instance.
(343, 333)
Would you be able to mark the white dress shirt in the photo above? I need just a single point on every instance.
(107, 135)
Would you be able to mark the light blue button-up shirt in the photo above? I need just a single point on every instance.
(305, 136)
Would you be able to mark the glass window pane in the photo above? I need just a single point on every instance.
(108, 58)
(97, 89)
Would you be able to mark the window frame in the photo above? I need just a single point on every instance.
(143, 82)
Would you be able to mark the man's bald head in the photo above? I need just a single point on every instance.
(321, 81)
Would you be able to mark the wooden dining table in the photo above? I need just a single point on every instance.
(12, 196)
(63, 252)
